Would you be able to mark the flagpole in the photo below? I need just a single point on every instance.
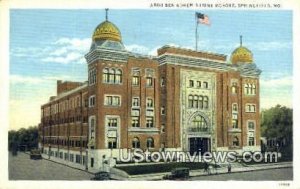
(196, 32)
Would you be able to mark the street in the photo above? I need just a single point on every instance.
(21, 167)
(262, 175)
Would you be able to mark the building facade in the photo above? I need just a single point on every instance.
(179, 100)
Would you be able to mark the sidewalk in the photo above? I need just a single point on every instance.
(235, 168)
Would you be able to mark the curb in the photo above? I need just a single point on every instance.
(62, 164)
(242, 171)
(200, 172)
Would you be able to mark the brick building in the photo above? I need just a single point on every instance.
(181, 99)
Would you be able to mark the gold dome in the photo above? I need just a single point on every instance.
(241, 54)
(107, 31)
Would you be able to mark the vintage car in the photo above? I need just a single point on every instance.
(35, 154)
(102, 175)
(181, 173)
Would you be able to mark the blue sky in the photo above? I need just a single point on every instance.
(46, 45)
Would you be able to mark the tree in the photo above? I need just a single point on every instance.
(24, 136)
(277, 122)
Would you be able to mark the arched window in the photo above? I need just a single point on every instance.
(234, 88)
(112, 75)
(195, 102)
(199, 124)
(205, 84)
(205, 102)
(135, 142)
(235, 141)
(190, 101)
(200, 102)
(254, 89)
(118, 76)
(246, 89)
(105, 75)
(150, 142)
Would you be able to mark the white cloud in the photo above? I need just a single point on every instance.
(137, 49)
(140, 49)
(271, 45)
(276, 91)
(277, 82)
(15, 79)
(59, 52)
(74, 43)
(63, 51)
(72, 57)
(68, 50)
(20, 79)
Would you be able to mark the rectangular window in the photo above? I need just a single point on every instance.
(149, 103)
(112, 100)
(250, 125)
(163, 128)
(162, 111)
(162, 82)
(135, 121)
(112, 122)
(205, 84)
(135, 102)
(191, 83)
(149, 81)
(251, 141)
(92, 76)
(198, 84)
(149, 122)
(83, 160)
(135, 80)
(71, 157)
(92, 101)
(116, 101)
(66, 156)
(108, 100)
(77, 159)
(251, 108)
(235, 123)
(234, 107)
(112, 143)
(92, 162)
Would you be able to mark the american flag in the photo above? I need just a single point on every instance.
(202, 18)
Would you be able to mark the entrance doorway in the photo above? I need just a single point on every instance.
(199, 145)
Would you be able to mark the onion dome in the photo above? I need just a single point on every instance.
(241, 54)
(107, 31)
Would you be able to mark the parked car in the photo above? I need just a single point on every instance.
(35, 154)
(181, 173)
(102, 175)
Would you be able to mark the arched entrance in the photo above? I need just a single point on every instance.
(198, 135)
